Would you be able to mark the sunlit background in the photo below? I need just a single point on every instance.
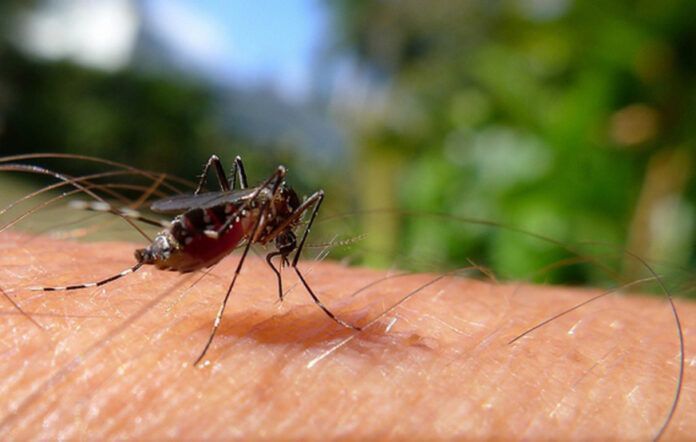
(571, 119)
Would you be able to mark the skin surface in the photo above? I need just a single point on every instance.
(114, 362)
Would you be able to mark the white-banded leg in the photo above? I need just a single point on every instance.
(100, 206)
(264, 209)
(86, 285)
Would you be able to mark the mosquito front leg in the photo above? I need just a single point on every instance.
(269, 260)
(214, 161)
(313, 201)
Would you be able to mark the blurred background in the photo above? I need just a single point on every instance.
(570, 119)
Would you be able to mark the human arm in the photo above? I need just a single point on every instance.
(115, 362)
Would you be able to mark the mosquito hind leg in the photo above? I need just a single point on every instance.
(315, 202)
(86, 285)
(215, 162)
(100, 206)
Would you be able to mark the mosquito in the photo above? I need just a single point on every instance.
(208, 226)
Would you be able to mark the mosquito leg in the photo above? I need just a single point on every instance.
(88, 284)
(321, 306)
(214, 161)
(314, 200)
(269, 258)
(238, 173)
(99, 206)
(218, 318)
(275, 180)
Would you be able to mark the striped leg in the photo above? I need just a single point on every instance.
(277, 176)
(88, 284)
(99, 206)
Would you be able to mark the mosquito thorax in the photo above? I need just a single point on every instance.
(286, 202)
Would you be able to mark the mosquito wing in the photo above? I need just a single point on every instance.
(183, 203)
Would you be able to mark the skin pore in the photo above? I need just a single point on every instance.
(115, 362)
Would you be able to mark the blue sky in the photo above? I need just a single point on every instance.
(249, 42)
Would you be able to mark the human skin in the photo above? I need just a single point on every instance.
(115, 362)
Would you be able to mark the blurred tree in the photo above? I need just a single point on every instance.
(126, 116)
(547, 115)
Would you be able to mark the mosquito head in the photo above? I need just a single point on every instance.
(144, 256)
(159, 251)
(286, 242)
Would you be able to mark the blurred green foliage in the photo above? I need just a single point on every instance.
(62, 107)
(572, 119)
